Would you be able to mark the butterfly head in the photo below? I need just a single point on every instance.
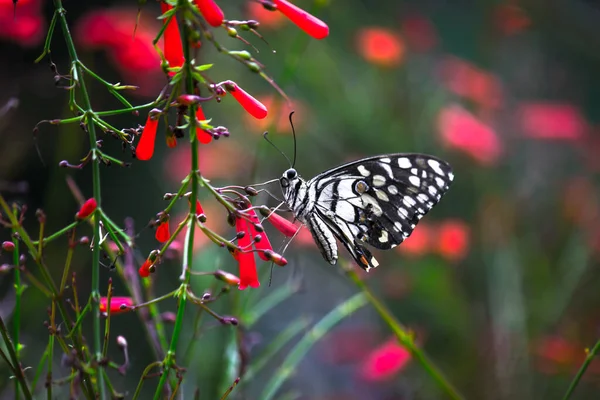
(288, 178)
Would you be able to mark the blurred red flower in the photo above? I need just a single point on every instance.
(453, 239)
(419, 33)
(466, 80)
(380, 46)
(385, 361)
(132, 54)
(559, 121)
(510, 19)
(26, 26)
(278, 117)
(461, 130)
(268, 19)
(419, 242)
(558, 355)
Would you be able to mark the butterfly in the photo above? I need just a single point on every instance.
(376, 201)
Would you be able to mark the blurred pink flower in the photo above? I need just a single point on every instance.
(461, 130)
(559, 121)
(419, 33)
(132, 54)
(26, 26)
(385, 361)
(466, 80)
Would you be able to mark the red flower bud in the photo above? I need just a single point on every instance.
(145, 147)
(276, 258)
(308, 23)
(202, 135)
(162, 232)
(187, 99)
(87, 209)
(250, 104)
(117, 304)
(210, 11)
(172, 40)
(228, 278)
(8, 246)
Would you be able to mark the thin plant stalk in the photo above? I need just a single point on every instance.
(405, 338)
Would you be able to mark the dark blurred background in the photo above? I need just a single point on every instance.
(499, 282)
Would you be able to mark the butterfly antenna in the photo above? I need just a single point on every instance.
(294, 134)
(277, 148)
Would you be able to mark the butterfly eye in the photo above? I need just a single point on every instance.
(291, 173)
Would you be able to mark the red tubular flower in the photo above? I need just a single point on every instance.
(250, 104)
(284, 226)
(171, 141)
(173, 48)
(385, 361)
(202, 135)
(144, 270)
(145, 147)
(308, 23)
(162, 232)
(117, 304)
(87, 209)
(211, 12)
(264, 243)
(246, 261)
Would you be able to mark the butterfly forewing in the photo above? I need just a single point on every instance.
(377, 200)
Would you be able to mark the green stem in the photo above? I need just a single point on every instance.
(18, 292)
(188, 255)
(590, 356)
(14, 360)
(78, 79)
(405, 338)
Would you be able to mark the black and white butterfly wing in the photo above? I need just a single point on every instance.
(378, 200)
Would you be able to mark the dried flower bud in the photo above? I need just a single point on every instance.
(229, 321)
(250, 191)
(84, 241)
(121, 342)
